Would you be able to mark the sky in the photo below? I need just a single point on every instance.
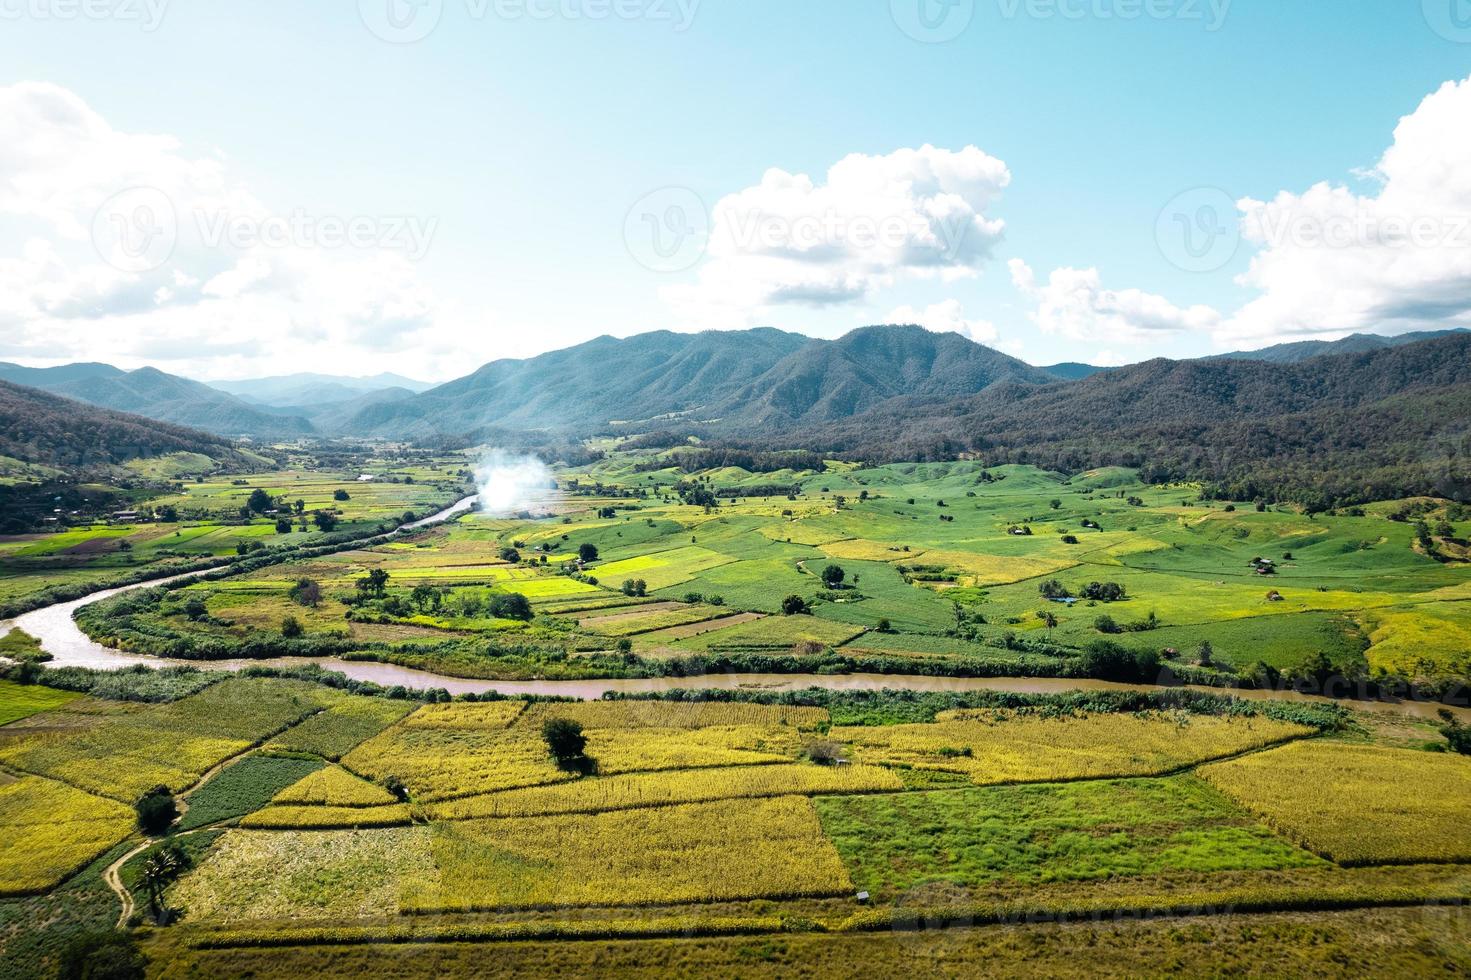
(232, 189)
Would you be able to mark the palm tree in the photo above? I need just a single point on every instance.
(1048, 620)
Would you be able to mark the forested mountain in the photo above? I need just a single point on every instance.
(585, 388)
(1359, 343)
(163, 397)
(39, 427)
(1332, 428)
(750, 380)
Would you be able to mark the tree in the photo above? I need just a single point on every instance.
(564, 739)
(161, 869)
(259, 501)
(1053, 589)
(378, 581)
(1106, 624)
(340, 494)
(511, 555)
(624, 646)
(794, 605)
(587, 551)
(291, 628)
(156, 809)
(426, 597)
(306, 592)
(1457, 735)
(195, 608)
(283, 525)
(832, 576)
(509, 605)
(1049, 620)
(1055, 504)
(324, 520)
(299, 506)
(1205, 655)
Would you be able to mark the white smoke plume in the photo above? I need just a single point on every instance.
(510, 484)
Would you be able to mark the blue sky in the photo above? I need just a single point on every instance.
(525, 141)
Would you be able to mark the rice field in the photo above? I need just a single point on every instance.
(1357, 804)
(51, 830)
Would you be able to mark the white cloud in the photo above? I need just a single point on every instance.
(1331, 261)
(917, 213)
(946, 317)
(1073, 303)
(243, 288)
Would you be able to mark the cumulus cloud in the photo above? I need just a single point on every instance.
(128, 247)
(1073, 303)
(791, 240)
(1330, 261)
(946, 317)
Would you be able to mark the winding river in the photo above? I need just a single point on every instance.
(59, 635)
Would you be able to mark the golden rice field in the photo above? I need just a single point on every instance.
(50, 830)
(698, 852)
(635, 790)
(673, 714)
(333, 786)
(1358, 804)
(1001, 747)
(314, 817)
(490, 715)
(123, 755)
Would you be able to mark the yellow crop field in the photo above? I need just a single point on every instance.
(334, 786)
(861, 549)
(292, 817)
(699, 852)
(550, 587)
(644, 749)
(982, 570)
(1000, 747)
(51, 830)
(440, 763)
(664, 568)
(466, 714)
(673, 714)
(1357, 804)
(634, 790)
(123, 755)
(255, 874)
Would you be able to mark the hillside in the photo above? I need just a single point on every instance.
(1350, 426)
(309, 389)
(160, 396)
(46, 429)
(1359, 343)
(733, 381)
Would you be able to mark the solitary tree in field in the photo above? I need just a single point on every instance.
(291, 628)
(259, 501)
(156, 809)
(832, 576)
(160, 871)
(587, 551)
(306, 592)
(324, 520)
(566, 743)
(340, 494)
(794, 605)
(1049, 620)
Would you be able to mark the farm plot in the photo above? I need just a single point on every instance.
(632, 624)
(777, 631)
(1357, 804)
(635, 790)
(699, 852)
(1000, 747)
(51, 830)
(663, 569)
(123, 755)
(673, 633)
(894, 843)
(242, 788)
(19, 701)
(333, 786)
(341, 727)
(633, 713)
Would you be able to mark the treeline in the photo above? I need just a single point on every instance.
(752, 460)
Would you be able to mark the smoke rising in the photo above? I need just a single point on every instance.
(512, 484)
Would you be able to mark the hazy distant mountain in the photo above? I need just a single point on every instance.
(164, 397)
(294, 390)
(39, 427)
(1358, 343)
(1072, 370)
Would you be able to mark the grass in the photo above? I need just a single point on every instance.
(244, 787)
(1358, 804)
(896, 843)
(19, 701)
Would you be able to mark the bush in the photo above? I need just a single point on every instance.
(291, 628)
(156, 810)
(1106, 624)
(794, 605)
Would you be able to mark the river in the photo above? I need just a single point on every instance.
(55, 627)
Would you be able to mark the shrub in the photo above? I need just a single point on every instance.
(794, 605)
(156, 810)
